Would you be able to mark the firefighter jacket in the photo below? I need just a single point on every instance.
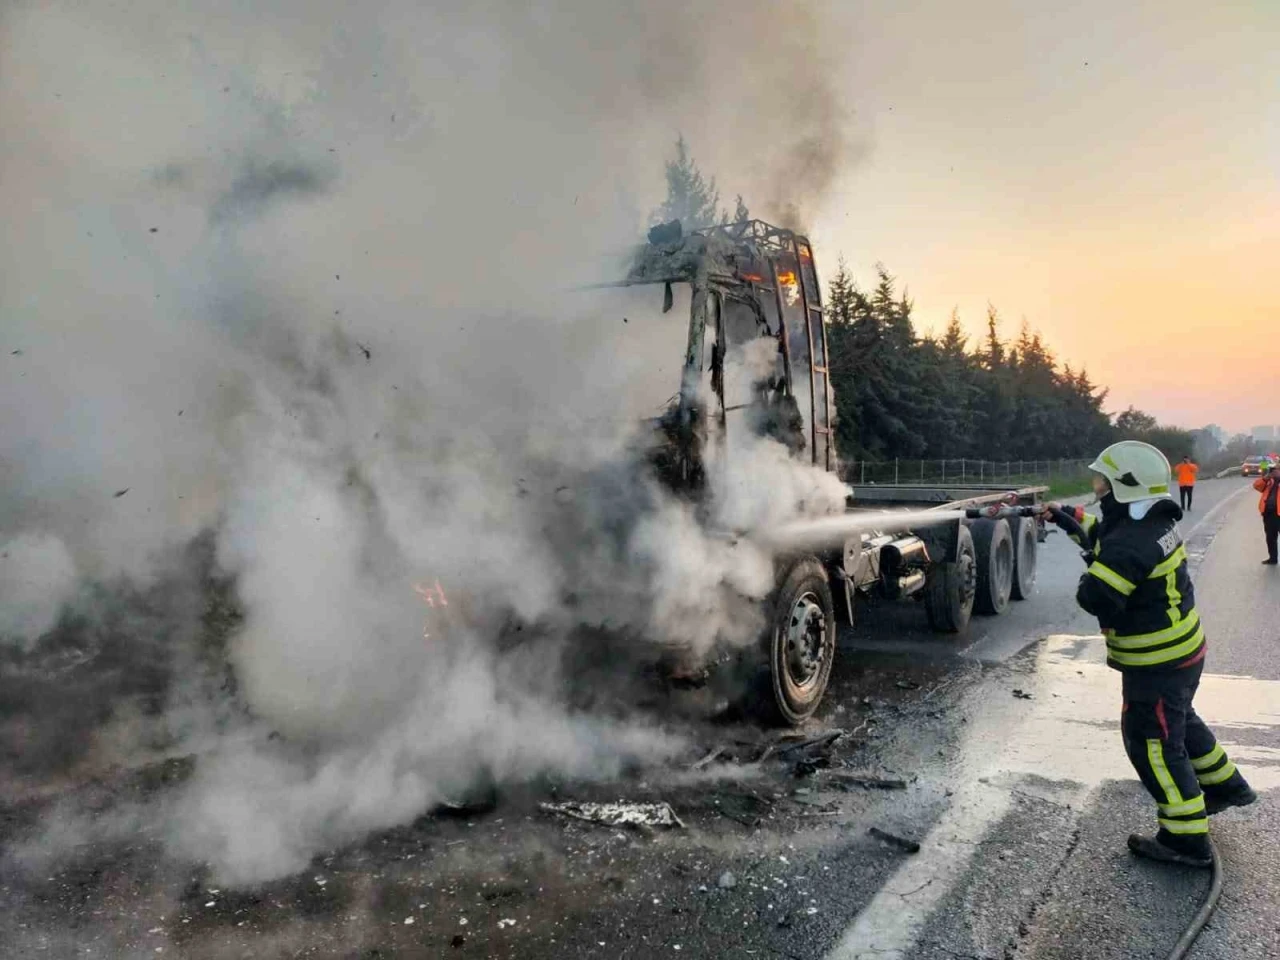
(1138, 586)
(1270, 496)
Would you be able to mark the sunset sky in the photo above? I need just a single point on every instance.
(1109, 171)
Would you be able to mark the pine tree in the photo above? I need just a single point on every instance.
(692, 199)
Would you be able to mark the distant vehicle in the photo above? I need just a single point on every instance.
(1253, 467)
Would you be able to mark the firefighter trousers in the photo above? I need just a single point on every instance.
(1175, 754)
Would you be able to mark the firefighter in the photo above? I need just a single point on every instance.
(1186, 473)
(1138, 587)
(1269, 506)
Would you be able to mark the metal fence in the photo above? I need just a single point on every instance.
(965, 471)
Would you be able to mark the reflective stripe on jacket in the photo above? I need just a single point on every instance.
(1138, 587)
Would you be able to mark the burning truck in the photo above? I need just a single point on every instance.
(754, 298)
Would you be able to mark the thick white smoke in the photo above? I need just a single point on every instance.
(295, 273)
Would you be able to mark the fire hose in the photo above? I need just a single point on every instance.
(1207, 906)
(1068, 523)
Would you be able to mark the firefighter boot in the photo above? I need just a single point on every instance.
(1188, 851)
(1235, 792)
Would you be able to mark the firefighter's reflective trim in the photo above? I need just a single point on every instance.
(1165, 654)
(1210, 759)
(1112, 579)
(1194, 805)
(1221, 775)
(1087, 522)
(1170, 565)
(1141, 641)
(1186, 827)
(1160, 769)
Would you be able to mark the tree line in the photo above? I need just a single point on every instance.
(901, 394)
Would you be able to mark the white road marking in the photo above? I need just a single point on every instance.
(1010, 739)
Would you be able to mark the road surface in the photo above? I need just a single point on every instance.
(1011, 778)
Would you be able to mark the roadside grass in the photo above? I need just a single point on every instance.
(1064, 487)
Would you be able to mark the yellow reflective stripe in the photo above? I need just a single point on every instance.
(1218, 776)
(1170, 564)
(1194, 805)
(1176, 652)
(1136, 641)
(1186, 826)
(1111, 578)
(1160, 488)
(1155, 757)
(1089, 522)
(1106, 458)
(1175, 596)
(1209, 759)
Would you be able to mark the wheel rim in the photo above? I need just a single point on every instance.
(968, 570)
(1026, 560)
(806, 641)
(1004, 568)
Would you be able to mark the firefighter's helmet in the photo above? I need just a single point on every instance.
(1135, 470)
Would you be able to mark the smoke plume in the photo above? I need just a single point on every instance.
(292, 278)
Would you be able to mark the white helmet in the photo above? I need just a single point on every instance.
(1135, 470)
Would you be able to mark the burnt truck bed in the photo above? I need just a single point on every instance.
(978, 555)
(937, 496)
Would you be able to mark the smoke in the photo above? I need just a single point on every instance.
(37, 577)
(296, 276)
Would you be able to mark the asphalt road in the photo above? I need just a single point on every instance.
(1011, 778)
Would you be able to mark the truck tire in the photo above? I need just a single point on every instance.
(801, 644)
(1025, 545)
(949, 591)
(993, 547)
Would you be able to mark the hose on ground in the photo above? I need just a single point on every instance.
(1183, 946)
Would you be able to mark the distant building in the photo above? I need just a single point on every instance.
(1217, 433)
(1264, 434)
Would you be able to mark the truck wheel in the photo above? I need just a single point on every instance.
(802, 643)
(1025, 543)
(950, 589)
(993, 546)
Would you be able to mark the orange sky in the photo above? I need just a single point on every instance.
(1108, 171)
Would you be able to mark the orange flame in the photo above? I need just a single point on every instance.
(430, 594)
(787, 278)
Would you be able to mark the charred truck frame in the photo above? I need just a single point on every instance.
(753, 283)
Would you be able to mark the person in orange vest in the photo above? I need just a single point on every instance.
(1269, 507)
(1186, 473)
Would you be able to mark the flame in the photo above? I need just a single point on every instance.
(430, 594)
(753, 277)
(787, 278)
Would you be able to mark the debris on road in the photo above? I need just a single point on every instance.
(120, 493)
(907, 685)
(709, 759)
(747, 809)
(727, 881)
(1021, 694)
(807, 746)
(620, 814)
(902, 843)
(869, 780)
